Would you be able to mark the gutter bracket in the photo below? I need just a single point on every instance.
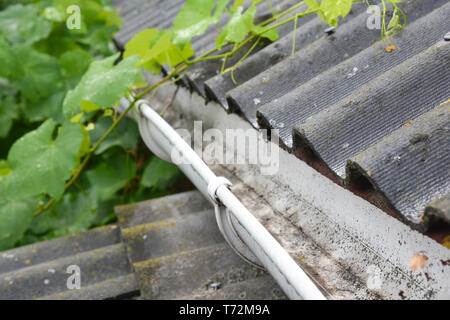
(226, 225)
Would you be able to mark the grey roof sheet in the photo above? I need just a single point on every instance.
(354, 123)
(177, 251)
(165, 248)
(340, 94)
(342, 79)
(201, 72)
(38, 271)
(413, 160)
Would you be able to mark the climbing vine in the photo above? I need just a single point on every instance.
(67, 156)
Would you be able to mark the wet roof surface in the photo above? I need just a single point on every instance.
(165, 248)
(178, 252)
(40, 270)
(363, 110)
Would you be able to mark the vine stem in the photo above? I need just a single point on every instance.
(281, 14)
(269, 4)
(85, 161)
(294, 17)
(163, 111)
(384, 31)
(206, 56)
(293, 40)
(240, 60)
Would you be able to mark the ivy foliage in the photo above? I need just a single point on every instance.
(58, 88)
(66, 156)
(19, 24)
(102, 85)
(172, 47)
(195, 17)
(39, 163)
(239, 25)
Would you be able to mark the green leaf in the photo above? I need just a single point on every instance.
(88, 106)
(240, 25)
(237, 4)
(41, 164)
(394, 23)
(93, 12)
(173, 55)
(4, 167)
(15, 217)
(77, 118)
(155, 48)
(99, 22)
(56, 45)
(8, 113)
(103, 84)
(8, 59)
(75, 212)
(41, 74)
(125, 135)
(195, 17)
(49, 107)
(73, 65)
(332, 9)
(40, 60)
(23, 24)
(272, 34)
(141, 45)
(312, 4)
(159, 174)
(237, 28)
(99, 39)
(36, 75)
(111, 175)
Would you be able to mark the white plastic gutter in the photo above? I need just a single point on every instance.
(240, 228)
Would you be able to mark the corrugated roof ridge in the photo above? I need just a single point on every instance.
(322, 91)
(40, 252)
(167, 254)
(202, 71)
(50, 277)
(301, 67)
(424, 136)
(324, 129)
(217, 86)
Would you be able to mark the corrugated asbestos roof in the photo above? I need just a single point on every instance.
(38, 271)
(166, 248)
(364, 111)
(178, 252)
